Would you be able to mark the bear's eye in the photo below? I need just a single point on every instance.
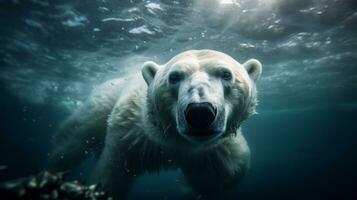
(175, 77)
(227, 75)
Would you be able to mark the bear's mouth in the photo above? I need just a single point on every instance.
(200, 117)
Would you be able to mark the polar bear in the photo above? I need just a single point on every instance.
(184, 114)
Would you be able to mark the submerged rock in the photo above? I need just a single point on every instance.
(47, 185)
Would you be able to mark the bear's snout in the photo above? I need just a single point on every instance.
(200, 115)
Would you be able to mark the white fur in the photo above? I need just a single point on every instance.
(134, 131)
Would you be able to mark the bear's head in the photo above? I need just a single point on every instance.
(200, 95)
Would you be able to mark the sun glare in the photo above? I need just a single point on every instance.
(226, 1)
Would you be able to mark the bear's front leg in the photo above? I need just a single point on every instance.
(215, 172)
(112, 174)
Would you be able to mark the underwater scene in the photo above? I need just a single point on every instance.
(178, 99)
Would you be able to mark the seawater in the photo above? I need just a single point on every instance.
(303, 139)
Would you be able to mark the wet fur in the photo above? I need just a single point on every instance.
(131, 138)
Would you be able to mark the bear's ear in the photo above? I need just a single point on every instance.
(254, 68)
(149, 70)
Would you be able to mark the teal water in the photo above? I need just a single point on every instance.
(303, 141)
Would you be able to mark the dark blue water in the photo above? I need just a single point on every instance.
(303, 141)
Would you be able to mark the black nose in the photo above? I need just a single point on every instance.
(200, 115)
